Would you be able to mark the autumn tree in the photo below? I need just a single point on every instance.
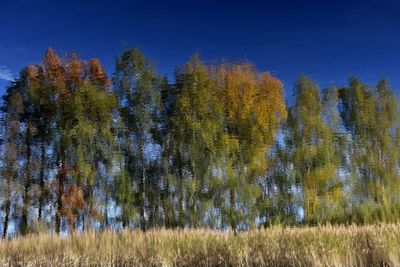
(254, 107)
(68, 100)
(91, 141)
(217, 148)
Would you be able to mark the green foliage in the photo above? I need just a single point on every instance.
(219, 148)
(138, 88)
(314, 158)
(198, 128)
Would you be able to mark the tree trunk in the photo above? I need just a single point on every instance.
(232, 215)
(25, 206)
(168, 215)
(105, 222)
(181, 215)
(155, 209)
(89, 198)
(142, 189)
(41, 180)
(61, 181)
(7, 217)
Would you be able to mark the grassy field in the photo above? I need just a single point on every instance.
(375, 245)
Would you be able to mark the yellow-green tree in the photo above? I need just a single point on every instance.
(138, 88)
(314, 158)
(198, 130)
(371, 116)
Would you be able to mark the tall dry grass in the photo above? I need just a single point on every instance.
(375, 245)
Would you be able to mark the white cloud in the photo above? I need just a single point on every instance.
(5, 73)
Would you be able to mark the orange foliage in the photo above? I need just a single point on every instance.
(97, 75)
(53, 84)
(54, 69)
(73, 202)
(75, 70)
(254, 107)
(64, 76)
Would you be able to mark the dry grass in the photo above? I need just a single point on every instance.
(377, 245)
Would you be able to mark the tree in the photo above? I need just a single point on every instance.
(314, 161)
(91, 141)
(12, 109)
(138, 88)
(254, 107)
(277, 202)
(372, 119)
(70, 106)
(387, 119)
(197, 128)
(217, 148)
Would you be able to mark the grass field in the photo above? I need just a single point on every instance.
(375, 245)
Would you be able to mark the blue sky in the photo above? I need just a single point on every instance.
(327, 40)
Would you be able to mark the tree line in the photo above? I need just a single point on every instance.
(218, 148)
